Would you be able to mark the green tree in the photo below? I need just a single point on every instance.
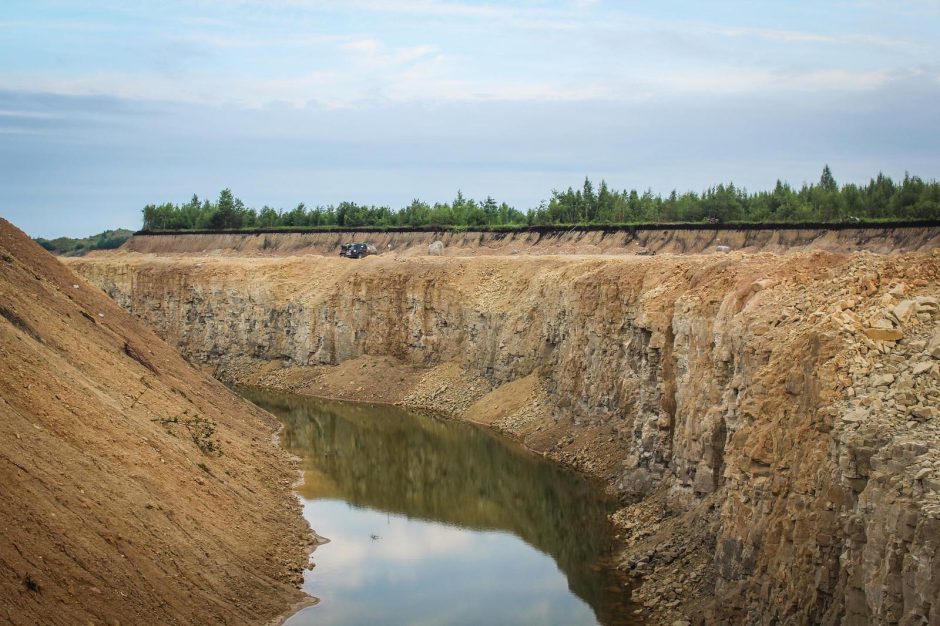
(225, 215)
(826, 181)
(912, 198)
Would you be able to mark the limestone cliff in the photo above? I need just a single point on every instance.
(781, 411)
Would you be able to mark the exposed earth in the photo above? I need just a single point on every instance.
(769, 421)
(548, 241)
(133, 488)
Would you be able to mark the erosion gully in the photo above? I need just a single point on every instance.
(433, 521)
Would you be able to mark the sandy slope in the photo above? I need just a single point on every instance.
(133, 489)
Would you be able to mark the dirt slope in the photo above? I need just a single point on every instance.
(133, 490)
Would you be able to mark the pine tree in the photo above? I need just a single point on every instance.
(826, 181)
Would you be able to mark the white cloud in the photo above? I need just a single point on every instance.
(795, 36)
(27, 114)
(422, 7)
(254, 52)
(757, 81)
(419, 75)
(371, 54)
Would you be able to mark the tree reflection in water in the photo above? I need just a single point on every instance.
(386, 459)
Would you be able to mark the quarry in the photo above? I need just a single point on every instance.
(766, 419)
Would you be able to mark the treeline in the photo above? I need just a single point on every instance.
(69, 246)
(231, 212)
(826, 201)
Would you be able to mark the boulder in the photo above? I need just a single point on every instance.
(884, 334)
(903, 310)
(879, 380)
(933, 346)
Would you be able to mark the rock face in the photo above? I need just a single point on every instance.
(133, 488)
(781, 406)
(548, 241)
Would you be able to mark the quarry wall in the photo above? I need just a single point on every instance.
(789, 401)
(552, 241)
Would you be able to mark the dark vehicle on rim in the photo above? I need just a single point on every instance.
(356, 250)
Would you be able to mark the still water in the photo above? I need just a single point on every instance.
(437, 522)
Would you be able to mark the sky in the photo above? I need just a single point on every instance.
(108, 105)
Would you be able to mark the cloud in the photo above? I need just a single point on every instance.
(795, 36)
(774, 81)
(9, 113)
(110, 156)
(420, 7)
(373, 54)
(360, 52)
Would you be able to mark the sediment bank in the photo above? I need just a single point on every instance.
(134, 489)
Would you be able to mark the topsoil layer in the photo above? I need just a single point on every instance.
(613, 242)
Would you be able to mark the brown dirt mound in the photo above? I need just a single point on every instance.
(133, 489)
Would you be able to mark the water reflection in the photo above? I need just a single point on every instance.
(426, 517)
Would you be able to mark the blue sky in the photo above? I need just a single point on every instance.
(107, 105)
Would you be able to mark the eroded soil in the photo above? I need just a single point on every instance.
(133, 488)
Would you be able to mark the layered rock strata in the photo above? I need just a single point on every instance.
(774, 418)
(548, 241)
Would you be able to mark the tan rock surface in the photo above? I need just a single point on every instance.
(547, 241)
(763, 443)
